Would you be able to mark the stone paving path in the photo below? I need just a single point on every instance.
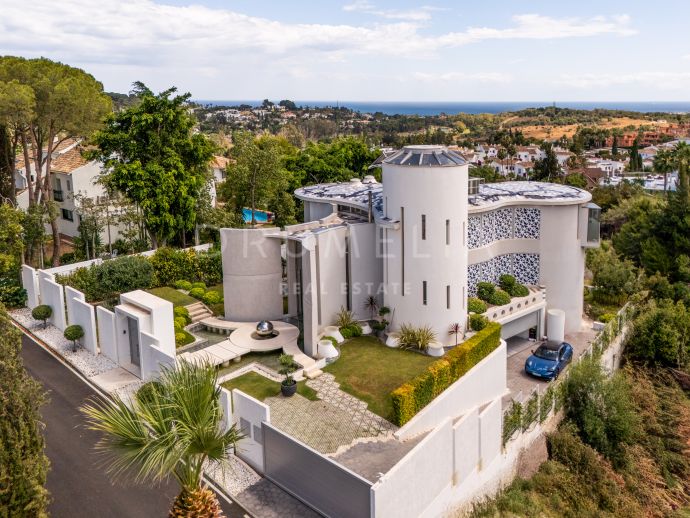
(266, 500)
(335, 420)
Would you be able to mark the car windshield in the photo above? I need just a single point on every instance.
(546, 353)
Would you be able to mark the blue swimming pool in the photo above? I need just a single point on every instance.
(261, 216)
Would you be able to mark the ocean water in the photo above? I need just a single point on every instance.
(435, 108)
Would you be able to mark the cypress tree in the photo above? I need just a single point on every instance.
(23, 464)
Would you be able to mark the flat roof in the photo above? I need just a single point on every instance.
(490, 195)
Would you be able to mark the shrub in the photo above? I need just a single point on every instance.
(199, 285)
(601, 408)
(42, 312)
(180, 322)
(507, 282)
(411, 337)
(212, 297)
(124, 274)
(11, 294)
(197, 293)
(485, 290)
(181, 311)
(344, 318)
(607, 317)
(478, 322)
(180, 338)
(499, 298)
(170, 265)
(346, 332)
(411, 397)
(475, 305)
(74, 333)
(333, 340)
(519, 290)
(23, 464)
(183, 285)
(209, 267)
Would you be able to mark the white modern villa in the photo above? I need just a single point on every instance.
(419, 242)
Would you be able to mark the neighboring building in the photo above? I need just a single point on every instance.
(419, 242)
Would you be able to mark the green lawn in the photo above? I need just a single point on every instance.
(188, 339)
(370, 371)
(171, 294)
(260, 387)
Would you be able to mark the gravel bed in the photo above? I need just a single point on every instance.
(235, 476)
(85, 362)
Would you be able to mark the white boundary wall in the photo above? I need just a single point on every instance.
(153, 357)
(30, 284)
(412, 484)
(71, 295)
(83, 314)
(248, 414)
(485, 382)
(53, 295)
(106, 333)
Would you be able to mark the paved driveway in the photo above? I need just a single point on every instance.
(519, 350)
(78, 485)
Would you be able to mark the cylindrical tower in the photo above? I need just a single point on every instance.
(425, 252)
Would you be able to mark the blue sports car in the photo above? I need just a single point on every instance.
(549, 360)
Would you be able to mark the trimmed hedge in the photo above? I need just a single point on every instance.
(411, 397)
(476, 305)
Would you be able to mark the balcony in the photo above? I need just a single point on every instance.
(57, 195)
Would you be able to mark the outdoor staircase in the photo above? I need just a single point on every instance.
(198, 311)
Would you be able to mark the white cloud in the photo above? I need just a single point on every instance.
(687, 57)
(465, 77)
(420, 14)
(658, 79)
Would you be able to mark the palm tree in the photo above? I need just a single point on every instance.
(372, 305)
(664, 162)
(173, 427)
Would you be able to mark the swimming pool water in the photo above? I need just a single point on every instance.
(261, 216)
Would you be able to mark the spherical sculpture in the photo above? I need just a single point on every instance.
(264, 328)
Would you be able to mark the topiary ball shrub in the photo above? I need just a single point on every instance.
(180, 322)
(212, 297)
(199, 285)
(74, 333)
(499, 298)
(182, 312)
(197, 293)
(475, 305)
(478, 322)
(42, 312)
(518, 290)
(180, 337)
(485, 290)
(506, 282)
(183, 285)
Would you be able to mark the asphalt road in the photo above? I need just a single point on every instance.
(78, 485)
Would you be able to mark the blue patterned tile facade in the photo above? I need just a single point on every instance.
(525, 268)
(496, 225)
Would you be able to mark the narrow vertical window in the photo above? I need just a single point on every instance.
(447, 231)
(447, 297)
(423, 226)
(424, 292)
(464, 235)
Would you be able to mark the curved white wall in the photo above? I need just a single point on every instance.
(440, 194)
(252, 274)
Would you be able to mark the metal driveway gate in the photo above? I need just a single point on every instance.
(321, 483)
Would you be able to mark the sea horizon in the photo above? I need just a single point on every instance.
(470, 107)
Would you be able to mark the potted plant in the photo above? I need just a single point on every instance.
(288, 386)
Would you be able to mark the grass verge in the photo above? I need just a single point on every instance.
(260, 387)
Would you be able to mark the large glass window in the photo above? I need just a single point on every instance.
(593, 217)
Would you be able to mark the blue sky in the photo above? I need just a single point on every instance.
(367, 50)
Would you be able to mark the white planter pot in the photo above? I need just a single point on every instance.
(334, 331)
(366, 328)
(435, 349)
(327, 350)
(393, 340)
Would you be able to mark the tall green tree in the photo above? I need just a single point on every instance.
(173, 428)
(23, 463)
(68, 102)
(153, 158)
(664, 162)
(635, 160)
(547, 168)
(256, 177)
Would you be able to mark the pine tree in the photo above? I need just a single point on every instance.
(614, 147)
(23, 464)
